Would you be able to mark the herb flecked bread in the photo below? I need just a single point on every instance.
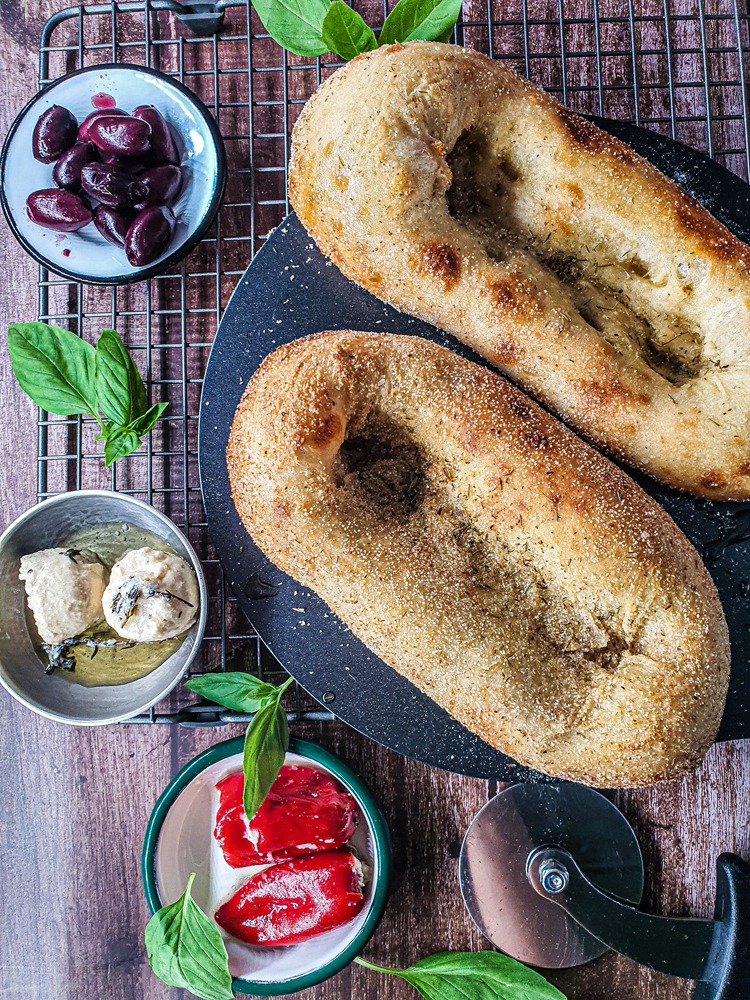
(459, 192)
(485, 552)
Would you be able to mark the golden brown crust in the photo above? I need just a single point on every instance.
(480, 548)
(470, 198)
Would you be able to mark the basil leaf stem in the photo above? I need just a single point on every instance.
(185, 949)
(472, 975)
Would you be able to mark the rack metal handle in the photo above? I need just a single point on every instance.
(714, 952)
(201, 16)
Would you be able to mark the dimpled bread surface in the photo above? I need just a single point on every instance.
(485, 552)
(457, 191)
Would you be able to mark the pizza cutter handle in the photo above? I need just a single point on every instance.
(714, 952)
(728, 969)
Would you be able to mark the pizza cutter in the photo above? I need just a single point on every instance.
(552, 874)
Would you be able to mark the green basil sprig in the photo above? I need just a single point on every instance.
(472, 975)
(267, 736)
(67, 376)
(234, 689)
(344, 32)
(314, 27)
(428, 20)
(186, 950)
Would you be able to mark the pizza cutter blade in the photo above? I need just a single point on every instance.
(492, 868)
(549, 874)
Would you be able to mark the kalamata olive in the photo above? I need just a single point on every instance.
(112, 185)
(163, 147)
(120, 135)
(67, 170)
(113, 223)
(135, 166)
(150, 234)
(162, 184)
(56, 209)
(83, 128)
(54, 133)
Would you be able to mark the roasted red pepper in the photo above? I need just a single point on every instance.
(305, 811)
(296, 900)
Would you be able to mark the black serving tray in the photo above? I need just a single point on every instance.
(291, 290)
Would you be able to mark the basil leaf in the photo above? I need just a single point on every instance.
(238, 691)
(120, 391)
(143, 424)
(473, 975)
(119, 442)
(345, 33)
(54, 367)
(428, 20)
(266, 743)
(295, 24)
(186, 950)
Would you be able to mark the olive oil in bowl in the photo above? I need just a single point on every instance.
(100, 656)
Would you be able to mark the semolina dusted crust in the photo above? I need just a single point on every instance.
(485, 552)
(460, 193)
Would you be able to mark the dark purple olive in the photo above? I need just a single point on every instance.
(112, 185)
(54, 133)
(163, 146)
(121, 135)
(60, 210)
(67, 170)
(162, 184)
(113, 223)
(124, 163)
(83, 128)
(150, 234)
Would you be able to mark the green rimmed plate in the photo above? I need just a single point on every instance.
(179, 840)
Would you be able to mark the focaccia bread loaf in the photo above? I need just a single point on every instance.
(459, 192)
(485, 552)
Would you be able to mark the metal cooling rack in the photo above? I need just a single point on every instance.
(679, 67)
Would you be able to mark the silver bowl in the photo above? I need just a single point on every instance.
(21, 671)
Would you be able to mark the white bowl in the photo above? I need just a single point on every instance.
(85, 255)
(179, 840)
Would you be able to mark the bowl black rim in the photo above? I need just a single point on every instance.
(179, 252)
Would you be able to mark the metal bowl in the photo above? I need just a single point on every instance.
(21, 671)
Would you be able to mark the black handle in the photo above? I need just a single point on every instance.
(714, 952)
(728, 969)
(679, 947)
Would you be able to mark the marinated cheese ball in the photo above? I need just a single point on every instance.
(64, 589)
(151, 596)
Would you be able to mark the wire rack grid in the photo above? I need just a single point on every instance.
(675, 66)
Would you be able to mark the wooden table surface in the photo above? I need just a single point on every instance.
(76, 801)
